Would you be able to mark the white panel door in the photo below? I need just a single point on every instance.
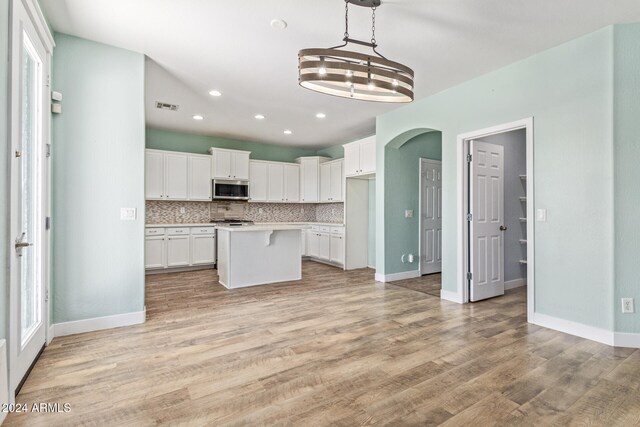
(258, 181)
(240, 168)
(336, 182)
(154, 175)
(203, 249)
(324, 247)
(352, 159)
(154, 252)
(487, 210)
(368, 156)
(431, 216)
(199, 178)
(313, 244)
(222, 164)
(325, 182)
(309, 180)
(337, 250)
(177, 251)
(176, 176)
(291, 183)
(275, 182)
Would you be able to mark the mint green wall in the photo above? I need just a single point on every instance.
(335, 151)
(190, 143)
(97, 158)
(568, 91)
(403, 185)
(627, 172)
(371, 240)
(4, 163)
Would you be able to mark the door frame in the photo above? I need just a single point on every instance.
(424, 159)
(37, 20)
(462, 149)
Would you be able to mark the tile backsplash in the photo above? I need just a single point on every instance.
(162, 212)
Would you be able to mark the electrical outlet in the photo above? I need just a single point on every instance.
(408, 213)
(627, 305)
(260, 210)
(301, 210)
(182, 210)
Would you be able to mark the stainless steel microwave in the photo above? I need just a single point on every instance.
(224, 189)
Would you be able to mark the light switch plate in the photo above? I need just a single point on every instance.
(627, 305)
(541, 215)
(128, 214)
(408, 213)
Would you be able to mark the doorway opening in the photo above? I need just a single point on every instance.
(496, 225)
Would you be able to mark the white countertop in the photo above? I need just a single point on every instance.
(208, 224)
(274, 227)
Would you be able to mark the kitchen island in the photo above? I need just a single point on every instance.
(259, 254)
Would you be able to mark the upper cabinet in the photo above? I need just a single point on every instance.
(229, 164)
(332, 181)
(177, 176)
(310, 178)
(360, 157)
(258, 181)
(274, 182)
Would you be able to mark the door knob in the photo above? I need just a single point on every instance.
(503, 228)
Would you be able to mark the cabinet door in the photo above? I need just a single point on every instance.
(221, 164)
(275, 183)
(337, 250)
(313, 244)
(303, 243)
(177, 251)
(203, 249)
(325, 182)
(368, 156)
(324, 251)
(240, 166)
(309, 181)
(154, 252)
(176, 176)
(291, 183)
(199, 178)
(352, 159)
(258, 181)
(336, 182)
(154, 175)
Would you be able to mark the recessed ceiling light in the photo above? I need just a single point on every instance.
(215, 93)
(321, 115)
(198, 117)
(278, 24)
(259, 116)
(287, 132)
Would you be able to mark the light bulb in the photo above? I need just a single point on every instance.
(395, 82)
(371, 86)
(322, 71)
(349, 73)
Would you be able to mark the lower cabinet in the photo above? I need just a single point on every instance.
(175, 247)
(325, 243)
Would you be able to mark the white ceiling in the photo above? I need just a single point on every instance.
(195, 46)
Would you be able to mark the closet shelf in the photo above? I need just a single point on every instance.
(523, 241)
(523, 219)
(523, 199)
(523, 261)
(523, 177)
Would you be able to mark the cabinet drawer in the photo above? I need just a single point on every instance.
(337, 230)
(324, 229)
(315, 227)
(178, 231)
(203, 230)
(153, 231)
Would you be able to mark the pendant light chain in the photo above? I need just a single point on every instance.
(346, 19)
(373, 25)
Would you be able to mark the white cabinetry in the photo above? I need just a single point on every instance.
(154, 248)
(275, 182)
(360, 157)
(199, 177)
(325, 243)
(175, 247)
(177, 176)
(310, 178)
(258, 181)
(337, 249)
(331, 181)
(229, 164)
(291, 183)
(203, 249)
(178, 247)
(313, 243)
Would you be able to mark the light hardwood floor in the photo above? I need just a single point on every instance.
(334, 349)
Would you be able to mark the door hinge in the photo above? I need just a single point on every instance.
(18, 153)
(46, 295)
(469, 157)
(48, 150)
(469, 217)
(469, 276)
(47, 223)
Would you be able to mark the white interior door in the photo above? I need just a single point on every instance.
(29, 196)
(430, 216)
(487, 220)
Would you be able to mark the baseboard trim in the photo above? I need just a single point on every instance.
(626, 339)
(99, 323)
(574, 328)
(385, 278)
(450, 296)
(516, 283)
